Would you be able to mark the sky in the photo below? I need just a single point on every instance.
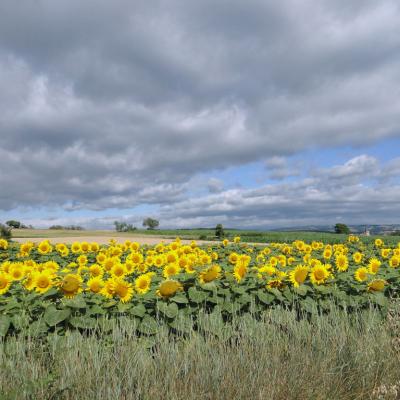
(254, 114)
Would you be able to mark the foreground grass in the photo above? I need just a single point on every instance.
(332, 356)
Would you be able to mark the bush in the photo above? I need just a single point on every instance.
(5, 232)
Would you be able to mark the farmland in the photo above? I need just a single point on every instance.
(200, 317)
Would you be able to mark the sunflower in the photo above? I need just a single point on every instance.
(357, 257)
(71, 285)
(134, 246)
(378, 242)
(170, 270)
(239, 271)
(45, 247)
(342, 263)
(118, 270)
(94, 247)
(377, 285)
(159, 261)
(96, 270)
(17, 272)
(95, 284)
(327, 254)
(298, 275)
(5, 282)
(76, 247)
(385, 253)
(3, 244)
(210, 274)
(108, 289)
(275, 284)
(43, 281)
(142, 283)
(394, 262)
(361, 274)
(101, 257)
(29, 281)
(233, 257)
(168, 288)
(319, 274)
(374, 265)
(123, 289)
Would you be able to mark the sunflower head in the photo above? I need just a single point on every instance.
(168, 288)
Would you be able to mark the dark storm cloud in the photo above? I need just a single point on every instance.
(115, 104)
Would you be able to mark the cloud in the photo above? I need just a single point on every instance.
(215, 185)
(113, 105)
(338, 193)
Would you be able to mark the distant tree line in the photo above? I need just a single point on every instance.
(124, 227)
(13, 224)
(68, 228)
(149, 223)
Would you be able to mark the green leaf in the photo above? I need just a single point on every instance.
(148, 326)
(110, 304)
(138, 311)
(180, 299)
(83, 322)
(301, 290)
(53, 317)
(169, 310)
(96, 309)
(5, 323)
(123, 307)
(265, 297)
(76, 302)
(197, 296)
(379, 299)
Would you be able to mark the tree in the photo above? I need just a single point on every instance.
(219, 231)
(14, 224)
(151, 223)
(5, 232)
(124, 227)
(342, 228)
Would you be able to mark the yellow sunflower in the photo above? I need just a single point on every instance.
(168, 288)
(319, 274)
(298, 275)
(377, 285)
(210, 274)
(123, 289)
(361, 274)
(142, 283)
(71, 285)
(95, 284)
(5, 282)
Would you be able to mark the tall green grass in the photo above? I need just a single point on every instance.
(332, 356)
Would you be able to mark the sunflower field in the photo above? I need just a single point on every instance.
(54, 288)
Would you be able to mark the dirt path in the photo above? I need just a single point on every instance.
(151, 240)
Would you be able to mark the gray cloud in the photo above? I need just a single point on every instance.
(116, 104)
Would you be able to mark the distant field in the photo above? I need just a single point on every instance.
(199, 234)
